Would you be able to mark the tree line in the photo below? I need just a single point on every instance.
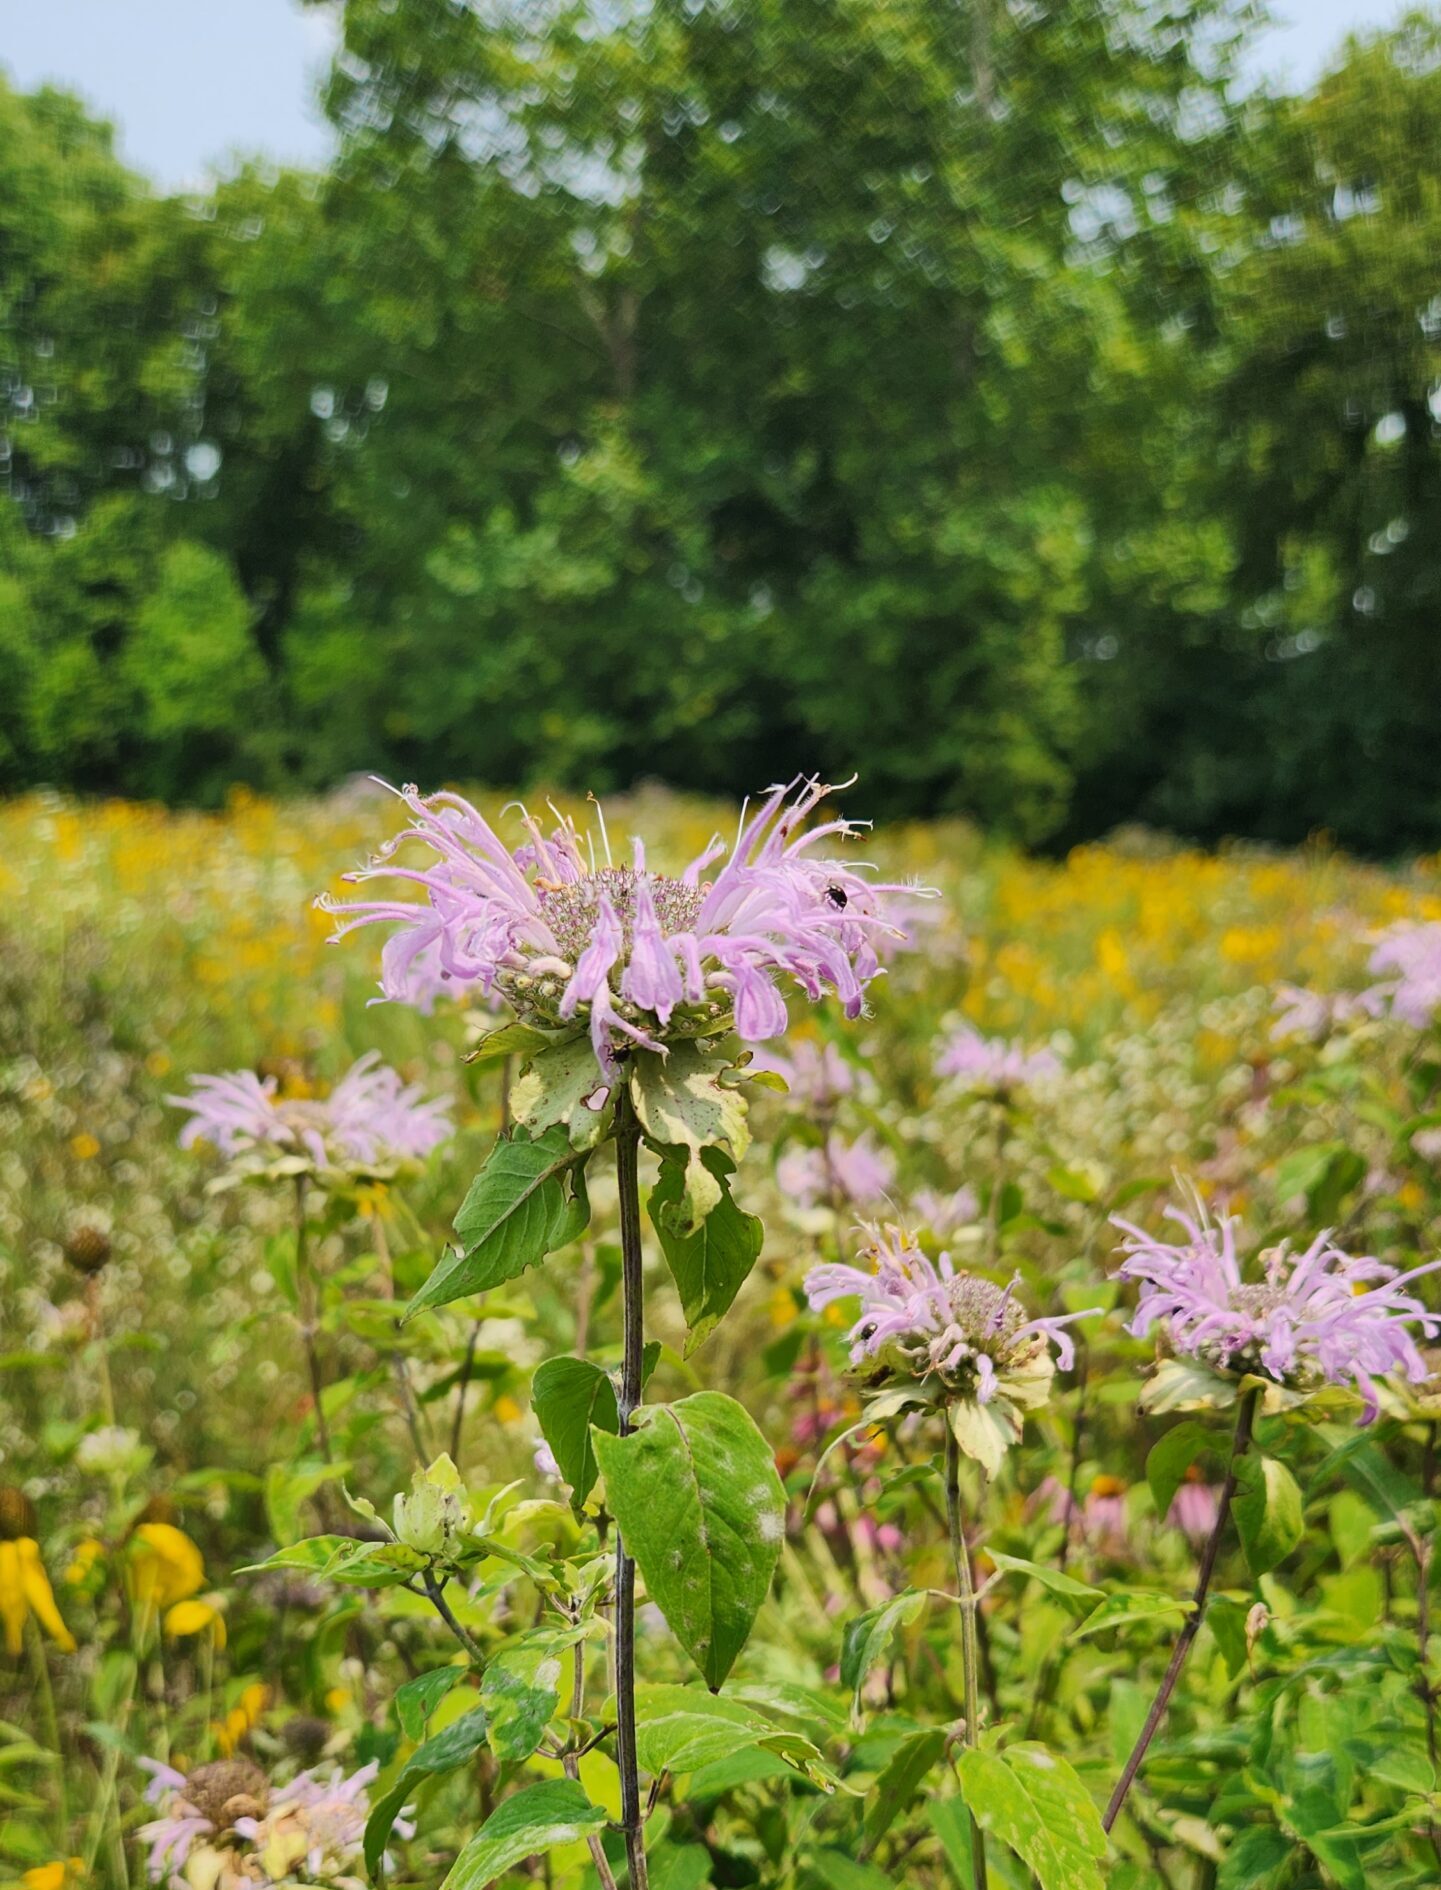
(998, 399)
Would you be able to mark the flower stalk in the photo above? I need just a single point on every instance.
(1241, 1443)
(627, 1164)
(970, 1639)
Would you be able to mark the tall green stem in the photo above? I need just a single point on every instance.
(1241, 1443)
(308, 1305)
(627, 1166)
(970, 1639)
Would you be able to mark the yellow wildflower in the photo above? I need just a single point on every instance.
(84, 1147)
(57, 1876)
(24, 1585)
(83, 1559)
(162, 1567)
(242, 1718)
(200, 1615)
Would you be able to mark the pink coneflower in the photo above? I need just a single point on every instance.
(1099, 1518)
(993, 1063)
(1195, 1507)
(855, 1174)
(565, 936)
(1310, 1318)
(1411, 950)
(371, 1118)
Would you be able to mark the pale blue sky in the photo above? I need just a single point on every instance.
(188, 82)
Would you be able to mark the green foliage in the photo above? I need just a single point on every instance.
(536, 1819)
(527, 1200)
(695, 1494)
(1018, 412)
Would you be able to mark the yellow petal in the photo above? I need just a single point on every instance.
(196, 1617)
(87, 1553)
(35, 1585)
(165, 1565)
(12, 1597)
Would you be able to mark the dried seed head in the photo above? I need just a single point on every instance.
(17, 1514)
(228, 1789)
(87, 1249)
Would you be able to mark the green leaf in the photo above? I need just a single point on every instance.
(1172, 1457)
(536, 1819)
(517, 1211)
(288, 1487)
(1226, 1619)
(695, 1494)
(682, 1104)
(840, 1872)
(450, 1749)
(867, 1639)
(1180, 1384)
(1124, 1610)
(418, 1698)
(681, 1729)
(568, 1396)
(898, 1782)
(1034, 1802)
(520, 1688)
(1268, 1511)
(1055, 1579)
(563, 1084)
(712, 1263)
(517, 1040)
(1255, 1860)
(985, 1432)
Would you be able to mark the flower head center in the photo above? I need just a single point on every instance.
(572, 911)
(987, 1316)
(1258, 1301)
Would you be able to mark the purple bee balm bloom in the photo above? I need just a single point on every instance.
(855, 1173)
(946, 1214)
(371, 1117)
(929, 1320)
(1317, 1317)
(1412, 951)
(1315, 1014)
(637, 956)
(992, 1063)
(817, 1076)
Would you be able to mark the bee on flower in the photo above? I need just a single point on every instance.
(565, 937)
(25, 1591)
(930, 1333)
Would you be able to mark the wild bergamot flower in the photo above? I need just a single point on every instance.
(1322, 1317)
(563, 934)
(370, 1120)
(931, 1333)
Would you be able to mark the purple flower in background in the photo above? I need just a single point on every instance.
(1315, 1014)
(931, 1319)
(992, 1063)
(1319, 1316)
(946, 1214)
(855, 1173)
(1099, 1518)
(817, 1076)
(562, 935)
(1411, 950)
(372, 1117)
